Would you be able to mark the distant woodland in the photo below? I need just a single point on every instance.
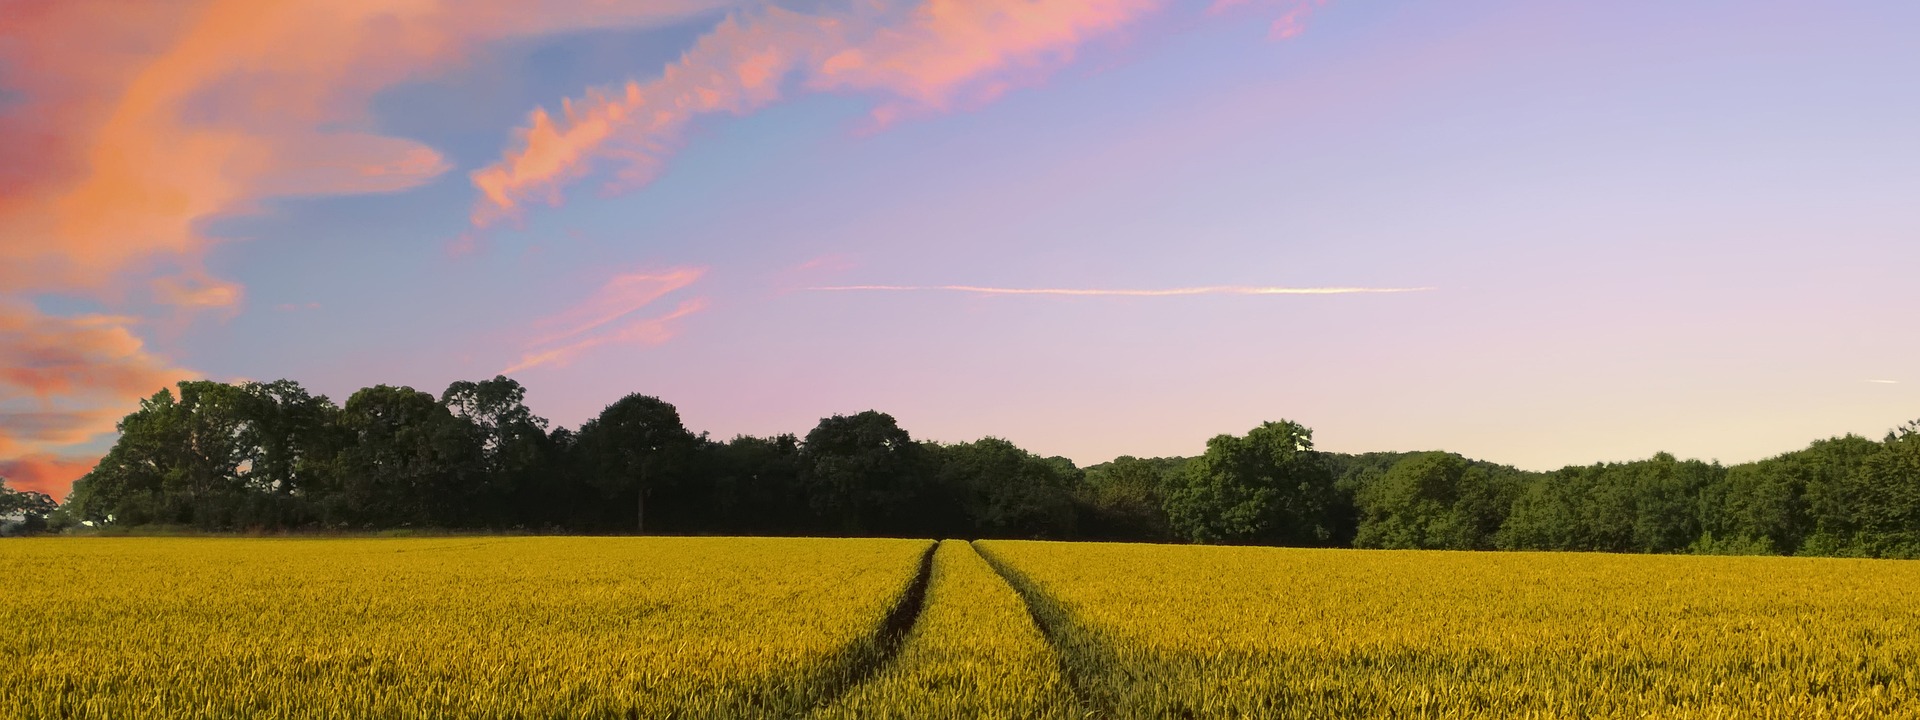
(267, 457)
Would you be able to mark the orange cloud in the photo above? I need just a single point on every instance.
(140, 120)
(937, 53)
(44, 473)
(126, 126)
(67, 380)
(970, 50)
(606, 318)
(44, 357)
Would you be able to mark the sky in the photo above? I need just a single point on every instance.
(1538, 233)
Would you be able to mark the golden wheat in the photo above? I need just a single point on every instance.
(450, 627)
(1182, 631)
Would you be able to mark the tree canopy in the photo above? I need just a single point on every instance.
(225, 457)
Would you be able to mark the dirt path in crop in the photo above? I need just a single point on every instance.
(893, 631)
(1048, 615)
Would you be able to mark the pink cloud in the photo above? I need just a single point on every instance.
(826, 263)
(607, 318)
(1293, 15)
(926, 59)
(45, 473)
(735, 68)
(949, 51)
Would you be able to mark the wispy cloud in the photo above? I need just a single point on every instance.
(931, 56)
(1885, 382)
(608, 318)
(1293, 14)
(1101, 292)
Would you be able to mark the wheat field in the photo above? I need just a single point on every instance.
(499, 627)
(448, 627)
(1187, 631)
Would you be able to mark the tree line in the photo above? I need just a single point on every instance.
(272, 456)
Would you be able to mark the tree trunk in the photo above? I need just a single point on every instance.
(640, 523)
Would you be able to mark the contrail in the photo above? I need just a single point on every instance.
(1885, 382)
(1169, 292)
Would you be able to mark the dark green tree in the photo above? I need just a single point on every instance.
(178, 461)
(1890, 517)
(1436, 500)
(406, 461)
(1267, 487)
(636, 446)
(756, 485)
(517, 456)
(863, 474)
(1126, 498)
(1006, 492)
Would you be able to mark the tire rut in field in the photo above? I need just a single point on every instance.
(1049, 617)
(892, 634)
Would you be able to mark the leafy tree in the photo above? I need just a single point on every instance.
(1758, 507)
(1007, 492)
(24, 510)
(177, 461)
(1267, 487)
(863, 474)
(635, 447)
(1436, 500)
(1126, 498)
(1890, 511)
(517, 455)
(407, 461)
(756, 485)
(1644, 506)
(289, 440)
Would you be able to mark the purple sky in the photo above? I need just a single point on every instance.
(1621, 227)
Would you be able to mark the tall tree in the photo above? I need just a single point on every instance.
(1266, 487)
(864, 475)
(756, 485)
(177, 461)
(1890, 517)
(407, 460)
(291, 437)
(516, 453)
(636, 445)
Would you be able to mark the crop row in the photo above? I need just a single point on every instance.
(974, 653)
(1182, 631)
